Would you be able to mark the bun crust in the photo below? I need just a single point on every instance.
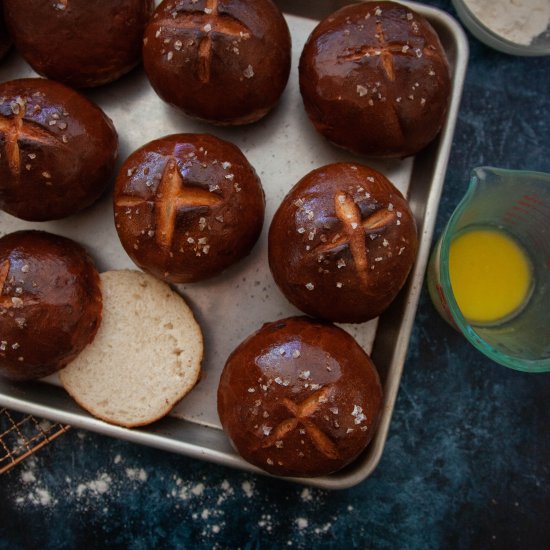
(224, 61)
(5, 38)
(375, 79)
(80, 43)
(299, 398)
(342, 243)
(50, 303)
(57, 150)
(188, 206)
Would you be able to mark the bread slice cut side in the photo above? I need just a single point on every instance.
(145, 357)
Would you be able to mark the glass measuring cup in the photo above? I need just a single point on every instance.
(516, 204)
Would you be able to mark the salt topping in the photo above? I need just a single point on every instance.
(358, 414)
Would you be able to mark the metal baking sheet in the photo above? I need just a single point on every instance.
(283, 147)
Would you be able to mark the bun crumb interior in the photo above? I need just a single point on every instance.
(146, 355)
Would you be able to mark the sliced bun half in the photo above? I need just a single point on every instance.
(146, 355)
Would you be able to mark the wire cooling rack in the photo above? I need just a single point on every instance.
(21, 435)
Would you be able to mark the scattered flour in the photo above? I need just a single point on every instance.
(208, 504)
(266, 523)
(97, 486)
(38, 496)
(198, 489)
(519, 21)
(248, 489)
(137, 474)
(27, 476)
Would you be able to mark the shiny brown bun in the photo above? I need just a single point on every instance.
(81, 43)
(299, 398)
(50, 303)
(224, 61)
(375, 79)
(57, 150)
(187, 206)
(342, 243)
(5, 38)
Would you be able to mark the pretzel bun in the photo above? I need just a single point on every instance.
(299, 398)
(342, 243)
(224, 61)
(375, 79)
(50, 303)
(57, 150)
(81, 43)
(5, 38)
(187, 206)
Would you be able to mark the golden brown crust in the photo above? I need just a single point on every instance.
(299, 398)
(225, 61)
(57, 149)
(79, 42)
(187, 206)
(50, 303)
(342, 243)
(375, 79)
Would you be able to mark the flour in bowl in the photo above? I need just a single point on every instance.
(519, 21)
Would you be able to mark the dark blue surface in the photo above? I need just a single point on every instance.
(467, 462)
